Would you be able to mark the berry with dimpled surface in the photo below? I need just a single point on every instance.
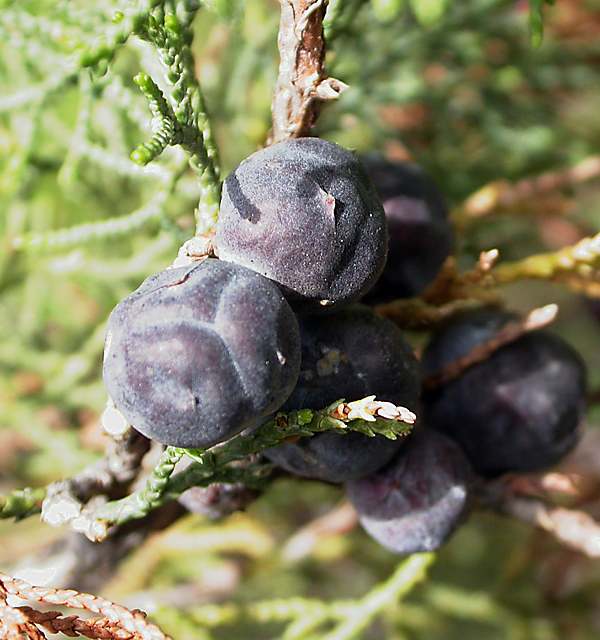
(348, 355)
(521, 409)
(420, 233)
(416, 502)
(305, 214)
(196, 354)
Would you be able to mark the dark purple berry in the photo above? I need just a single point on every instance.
(520, 409)
(347, 355)
(305, 214)
(217, 500)
(416, 502)
(199, 353)
(420, 234)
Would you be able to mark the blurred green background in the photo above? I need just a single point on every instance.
(455, 86)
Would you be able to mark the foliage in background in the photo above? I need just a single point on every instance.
(456, 86)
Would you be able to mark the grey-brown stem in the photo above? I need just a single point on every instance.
(302, 84)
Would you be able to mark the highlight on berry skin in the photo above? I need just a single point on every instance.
(305, 214)
(521, 409)
(420, 234)
(417, 501)
(197, 354)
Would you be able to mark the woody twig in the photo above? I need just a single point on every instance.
(302, 85)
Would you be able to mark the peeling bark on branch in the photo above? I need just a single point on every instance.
(76, 562)
(302, 83)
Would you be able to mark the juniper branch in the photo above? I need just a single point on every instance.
(305, 615)
(340, 15)
(91, 231)
(579, 258)
(126, 22)
(171, 131)
(416, 314)
(407, 575)
(296, 424)
(181, 71)
(164, 134)
(365, 416)
(104, 51)
(502, 196)
(22, 503)
(176, 36)
(169, 29)
(142, 502)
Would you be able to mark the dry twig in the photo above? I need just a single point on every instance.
(511, 331)
(111, 477)
(115, 623)
(451, 286)
(587, 283)
(119, 467)
(576, 265)
(574, 529)
(338, 521)
(218, 500)
(302, 84)
(74, 626)
(503, 195)
(15, 626)
(545, 484)
(416, 314)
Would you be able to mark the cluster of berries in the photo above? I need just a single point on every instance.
(201, 352)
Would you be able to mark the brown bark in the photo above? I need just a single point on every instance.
(302, 84)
